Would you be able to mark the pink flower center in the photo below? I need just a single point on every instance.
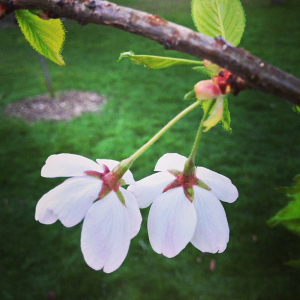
(110, 181)
(182, 181)
(186, 182)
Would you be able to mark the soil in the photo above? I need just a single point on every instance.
(66, 106)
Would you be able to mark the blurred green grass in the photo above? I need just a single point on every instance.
(262, 153)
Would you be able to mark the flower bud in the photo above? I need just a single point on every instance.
(224, 80)
(206, 90)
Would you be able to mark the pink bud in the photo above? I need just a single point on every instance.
(206, 90)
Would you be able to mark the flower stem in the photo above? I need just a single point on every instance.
(190, 162)
(140, 151)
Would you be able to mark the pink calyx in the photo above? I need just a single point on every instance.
(186, 182)
(110, 181)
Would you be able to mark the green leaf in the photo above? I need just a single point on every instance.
(204, 70)
(226, 115)
(289, 216)
(215, 115)
(293, 263)
(224, 18)
(296, 109)
(157, 62)
(45, 36)
(292, 191)
(206, 104)
(190, 95)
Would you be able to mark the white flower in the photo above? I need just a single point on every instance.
(174, 219)
(109, 225)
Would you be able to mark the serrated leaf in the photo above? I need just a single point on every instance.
(226, 115)
(157, 62)
(296, 109)
(45, 36)
(292, 191)
(289, 216)
(204, 70)
(224, 18)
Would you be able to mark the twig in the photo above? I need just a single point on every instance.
(257, 73)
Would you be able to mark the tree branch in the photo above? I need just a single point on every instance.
(257, 73)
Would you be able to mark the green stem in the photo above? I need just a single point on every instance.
(190, 162)
(134, 156)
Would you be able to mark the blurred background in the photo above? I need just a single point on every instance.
(45, 262)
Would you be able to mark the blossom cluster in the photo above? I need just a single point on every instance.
(185, 208)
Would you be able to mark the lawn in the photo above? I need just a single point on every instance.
(262, 153)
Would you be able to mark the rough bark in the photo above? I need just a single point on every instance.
(257, 73)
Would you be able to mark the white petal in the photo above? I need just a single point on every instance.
(212, 231)
(148, 188)
(127, 177)
(67, 165)
(170, 161)
(69, 201)
(44, 215)
(171, 222)
(220, 185)
(110, 163)
(105, 236)
(133, 211)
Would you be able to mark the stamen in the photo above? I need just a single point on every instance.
(94, 174)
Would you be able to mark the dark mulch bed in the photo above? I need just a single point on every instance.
(66, 106)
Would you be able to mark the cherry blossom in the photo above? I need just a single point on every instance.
(185, 208)
(109, 223)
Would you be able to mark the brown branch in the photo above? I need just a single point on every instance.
(257, 73)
